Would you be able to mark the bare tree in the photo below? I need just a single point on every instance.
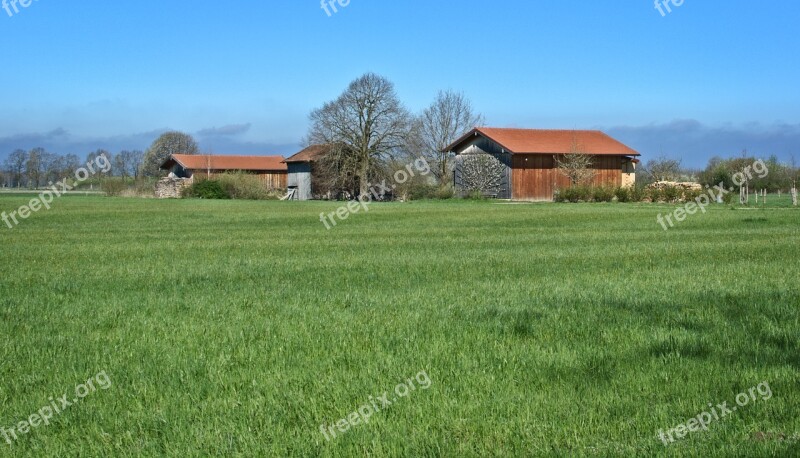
(71, 164)
(576, 165)
(15, 164)
(663, 169)
(91, 157)
(365, 126)
(35, 167)
(449, 117)
(481, 172)
(136, 159)
(122, 164)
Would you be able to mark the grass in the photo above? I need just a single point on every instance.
(238, 328)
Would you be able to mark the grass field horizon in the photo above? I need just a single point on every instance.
(239, 328)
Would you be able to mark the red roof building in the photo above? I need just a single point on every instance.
(270, 169)
(522, 163)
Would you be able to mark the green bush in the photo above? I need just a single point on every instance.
(623, 194)
(245, 186)
(672, 193)
(206, 189)
(638, 194)
(445, 192)
(475, 195)
(603, 194)
(728, 198)
(567, 195)
(655, 194)
(691, 194)
(418, 191)
(112, 187)
(575, 194)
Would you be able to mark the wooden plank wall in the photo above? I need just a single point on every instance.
(535, 176)
(271, 180)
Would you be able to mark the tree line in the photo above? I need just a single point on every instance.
(782, 176)
(38, 167)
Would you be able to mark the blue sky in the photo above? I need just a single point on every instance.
(710, 78)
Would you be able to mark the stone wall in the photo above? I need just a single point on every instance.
(171, 188)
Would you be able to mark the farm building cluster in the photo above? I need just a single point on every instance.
(516, 164)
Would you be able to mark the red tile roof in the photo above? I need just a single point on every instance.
(521, 141)
(310, 154)
(244, 163)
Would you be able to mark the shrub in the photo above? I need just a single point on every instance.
(144, 187)
(244, 186)
(575, 194)
(637, 194)
(206, 189)
(422, 191)
(691, 194)
(672, 193)
(603, 194)
(655, 194)
(112, 187)
(445, 192)
(567, 195)
(585, 193)
(623, 194)
(475, 195)
(727, 198)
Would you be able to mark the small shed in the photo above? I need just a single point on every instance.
(301, 171)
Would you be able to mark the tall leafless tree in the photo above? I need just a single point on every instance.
(576, 165)
(365, 125)
(15, 164)
(663, 169)
(136, 159)
(449, 117)
(36, 167)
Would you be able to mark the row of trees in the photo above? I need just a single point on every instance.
(38, 167)
(780, 176)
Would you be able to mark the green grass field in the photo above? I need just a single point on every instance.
(231, 328)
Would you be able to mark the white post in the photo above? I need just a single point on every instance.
(794, 196)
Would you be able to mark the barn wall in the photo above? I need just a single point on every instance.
(535, 177)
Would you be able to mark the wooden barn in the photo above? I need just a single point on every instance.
(270, 169)
(520, 164)
(301, 182)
